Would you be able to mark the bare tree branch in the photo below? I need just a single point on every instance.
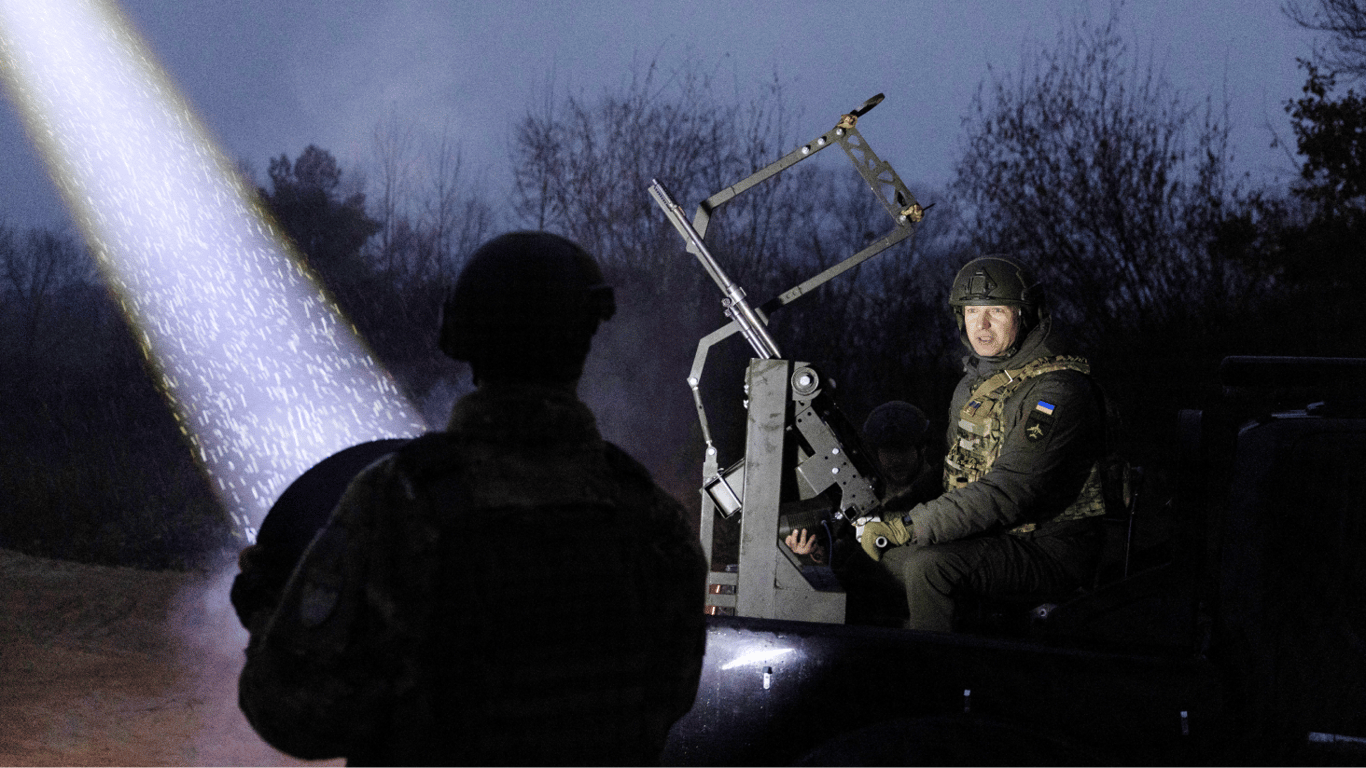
(1345, 21)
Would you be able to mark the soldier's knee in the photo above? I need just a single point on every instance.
(924, 567)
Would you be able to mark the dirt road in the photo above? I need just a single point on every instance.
(115, 666)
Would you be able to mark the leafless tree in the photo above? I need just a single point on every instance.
(393, 147)
(582, 167)
(430, 211)
(1345, 22)
(38, 265)
(1096, 170)
(456, 217)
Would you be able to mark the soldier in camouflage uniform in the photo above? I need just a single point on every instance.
(1020, 511)
(514, 590)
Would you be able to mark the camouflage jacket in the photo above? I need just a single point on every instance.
(514, 590)
(1051, 437)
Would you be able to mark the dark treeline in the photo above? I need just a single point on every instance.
(92, 466)
(1114, 186)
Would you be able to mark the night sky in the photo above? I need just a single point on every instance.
(271, 77)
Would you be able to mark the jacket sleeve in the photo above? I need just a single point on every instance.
(1052, 434)
(315, 683)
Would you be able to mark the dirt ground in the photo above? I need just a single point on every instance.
(115, 666)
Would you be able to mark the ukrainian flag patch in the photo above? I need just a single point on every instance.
(1039, 425)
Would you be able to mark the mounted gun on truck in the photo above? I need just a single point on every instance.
(798, 445)
(1239, 643)
(1213, 651)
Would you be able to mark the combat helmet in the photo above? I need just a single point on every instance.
(997, 281)
(526, 306)
(895, 425)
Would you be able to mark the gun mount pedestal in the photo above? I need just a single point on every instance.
(797, 446)
(797, 449)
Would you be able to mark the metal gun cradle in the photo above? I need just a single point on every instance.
(799, 451)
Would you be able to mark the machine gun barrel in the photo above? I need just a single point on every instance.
(751, 324)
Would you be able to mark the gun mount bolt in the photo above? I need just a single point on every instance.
(834, 451)
(692, 382)
(806, 150)
(839, 131)
(834, 470)
(768, 677)
(821, 141)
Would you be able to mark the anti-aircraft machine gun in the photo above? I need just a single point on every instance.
(797, 445)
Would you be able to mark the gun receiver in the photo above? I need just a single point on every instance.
(798, 447)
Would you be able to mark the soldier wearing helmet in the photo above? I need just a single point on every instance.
(526, 307)
(1022, 495)
(513, 590)
(895, 434)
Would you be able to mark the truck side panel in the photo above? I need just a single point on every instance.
(780, 692)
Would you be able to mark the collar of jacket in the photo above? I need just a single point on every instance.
(523, 413)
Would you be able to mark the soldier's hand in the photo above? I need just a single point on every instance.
(802, 543)
(880, 536)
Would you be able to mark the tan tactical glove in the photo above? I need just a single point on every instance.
(892, 533)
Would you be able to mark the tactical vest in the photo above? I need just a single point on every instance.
(979, 436)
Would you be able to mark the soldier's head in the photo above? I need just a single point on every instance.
(525, 307)
(895, 432)
(996, 302)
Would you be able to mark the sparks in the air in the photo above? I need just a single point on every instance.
(263, 373)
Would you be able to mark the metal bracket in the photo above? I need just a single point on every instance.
(785, 400)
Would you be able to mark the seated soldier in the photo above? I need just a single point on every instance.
(1020, 510)
(895, 434)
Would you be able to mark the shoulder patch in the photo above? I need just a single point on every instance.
(1039, 425)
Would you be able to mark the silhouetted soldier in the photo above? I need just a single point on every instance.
(514, 590)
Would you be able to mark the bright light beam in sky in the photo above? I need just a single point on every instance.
(263, 373)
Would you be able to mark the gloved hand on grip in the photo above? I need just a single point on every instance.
(892, 533)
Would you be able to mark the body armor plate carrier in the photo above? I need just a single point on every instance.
(980, 436)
